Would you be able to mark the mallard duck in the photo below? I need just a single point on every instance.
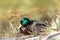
(25, 23)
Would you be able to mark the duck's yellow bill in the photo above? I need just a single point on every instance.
(19, 26)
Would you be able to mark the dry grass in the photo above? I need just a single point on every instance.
(9, 20)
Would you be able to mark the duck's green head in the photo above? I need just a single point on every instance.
(25, 21)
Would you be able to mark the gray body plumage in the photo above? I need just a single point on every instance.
(37, 26)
